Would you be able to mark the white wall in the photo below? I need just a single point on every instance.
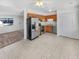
(17, 25)
(68, 22)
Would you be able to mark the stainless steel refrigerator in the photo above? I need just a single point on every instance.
(33, 28)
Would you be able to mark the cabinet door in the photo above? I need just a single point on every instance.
(48, 29)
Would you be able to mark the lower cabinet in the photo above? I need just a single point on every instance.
(48, 28)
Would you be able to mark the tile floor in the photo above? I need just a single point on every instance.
(47, 46)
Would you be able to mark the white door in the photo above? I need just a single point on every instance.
(69, 24)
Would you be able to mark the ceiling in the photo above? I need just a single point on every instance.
(17, 6)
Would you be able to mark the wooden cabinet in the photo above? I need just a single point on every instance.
(48, 28)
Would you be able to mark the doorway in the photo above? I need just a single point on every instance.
(47, 24)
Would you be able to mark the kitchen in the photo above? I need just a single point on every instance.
(44, 24)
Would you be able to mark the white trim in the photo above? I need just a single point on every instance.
(25, 26)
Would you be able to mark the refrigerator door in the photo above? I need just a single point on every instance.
(29, 28)
(35, 28)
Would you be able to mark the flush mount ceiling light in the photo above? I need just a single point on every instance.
(39, 3)
(50, 10)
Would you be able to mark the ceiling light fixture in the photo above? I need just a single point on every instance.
(50, 10)
(39, 3)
